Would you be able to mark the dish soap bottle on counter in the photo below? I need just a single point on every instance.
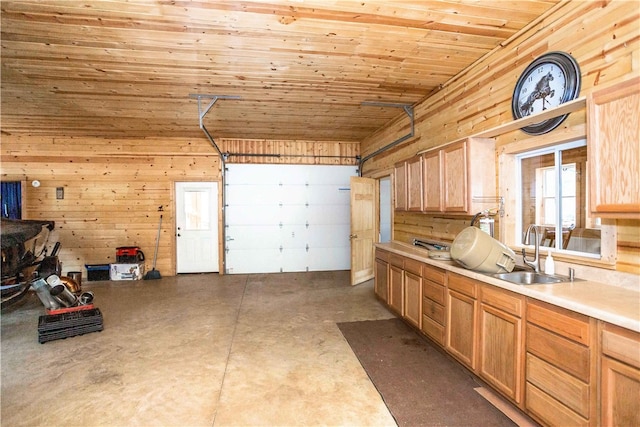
(549, 266)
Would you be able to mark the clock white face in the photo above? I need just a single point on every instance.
(542, 88)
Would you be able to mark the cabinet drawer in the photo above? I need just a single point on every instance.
(503, 300)
(434, 274)
(621, 344)
(433, 291)
(413, 266)
(433, 310)
(571, 325)
(550, 411)
(561, 352)
(433, 329)
(572, 392)
(463, 284)
(396, 260)
(382, 255)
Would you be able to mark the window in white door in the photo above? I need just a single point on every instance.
(197, 210)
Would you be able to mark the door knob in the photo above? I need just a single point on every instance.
(353, 236)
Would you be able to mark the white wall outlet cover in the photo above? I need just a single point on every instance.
(35, 183)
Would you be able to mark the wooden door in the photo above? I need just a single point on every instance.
(413, 299)
(614, 150)
(414, 184)
(381, 285)
(363, 228)
(501, 351)
(455, 177)
(432, 181)
(400, 187)
(396, 289)
(620, 394)
(461, 336)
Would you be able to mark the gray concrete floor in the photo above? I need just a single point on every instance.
(197, 350)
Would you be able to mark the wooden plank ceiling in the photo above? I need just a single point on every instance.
(302, 69)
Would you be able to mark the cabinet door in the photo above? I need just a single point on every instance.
(432, 181)
(501, 351)
(400, 187)
(414, 184)
(620, 376)
(461, 335)
(396, 289)
(620, 389)
(413, 298)
(614, 150)
(382, 280)
(455, 177)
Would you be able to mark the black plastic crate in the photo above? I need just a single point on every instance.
(97, 272)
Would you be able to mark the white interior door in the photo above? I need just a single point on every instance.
(196, 227)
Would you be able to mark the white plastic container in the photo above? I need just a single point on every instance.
(549, 265)
(476, 250)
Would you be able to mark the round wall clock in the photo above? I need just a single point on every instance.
(550, 80)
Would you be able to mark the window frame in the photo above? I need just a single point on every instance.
(510, 185)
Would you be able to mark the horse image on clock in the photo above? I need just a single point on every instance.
(543, 91)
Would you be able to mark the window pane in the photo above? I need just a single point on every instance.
(540, 204)
(196, 205)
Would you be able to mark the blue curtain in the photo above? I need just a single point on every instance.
(11, 197)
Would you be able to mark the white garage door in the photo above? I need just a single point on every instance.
(285, 218)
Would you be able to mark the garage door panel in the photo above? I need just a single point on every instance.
(282, 214)
(259, 260)
(241, 215)
(327, 259)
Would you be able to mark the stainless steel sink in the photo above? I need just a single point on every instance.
(530, 278)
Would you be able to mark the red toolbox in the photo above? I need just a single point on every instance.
(129, 255)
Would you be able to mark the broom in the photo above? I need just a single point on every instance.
(155, 274)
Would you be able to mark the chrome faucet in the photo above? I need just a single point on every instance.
(535, 263)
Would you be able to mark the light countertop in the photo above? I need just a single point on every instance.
(613, 304)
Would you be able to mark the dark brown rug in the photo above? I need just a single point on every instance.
(420, 384)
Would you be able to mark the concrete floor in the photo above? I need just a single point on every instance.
(197, 350)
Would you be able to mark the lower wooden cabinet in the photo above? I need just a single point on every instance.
(462, 308)
(619, 377)
(433, 303)
(502, 341)
(396, 289)
(381, 282)
(413, 292)
(560, 366)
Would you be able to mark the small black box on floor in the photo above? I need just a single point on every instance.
(97, 272)
(58, 326)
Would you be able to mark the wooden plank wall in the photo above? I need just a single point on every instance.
(114, 187)
(604, 37)
(291, 152)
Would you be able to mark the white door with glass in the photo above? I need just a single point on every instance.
(196, 227)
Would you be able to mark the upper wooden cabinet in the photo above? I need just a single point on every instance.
(432, 181)
(459, 178)
(414, 184)
(614, 150)
(400, 186)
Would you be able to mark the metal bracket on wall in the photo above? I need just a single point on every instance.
(202, 112)
(408, 109)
